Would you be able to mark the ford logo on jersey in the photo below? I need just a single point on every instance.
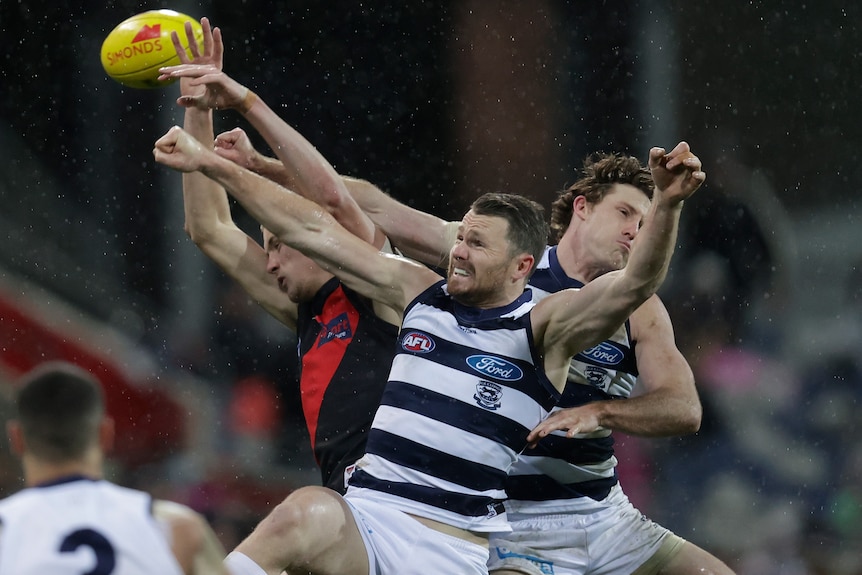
(605, 353)
(495, 367)
(417, 342)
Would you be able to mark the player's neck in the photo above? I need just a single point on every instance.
(572, 262)
(39, 472)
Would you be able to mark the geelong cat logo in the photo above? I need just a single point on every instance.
(606, 353)
(417, 342)
(495, 367)
(488, 395)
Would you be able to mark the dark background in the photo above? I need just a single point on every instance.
(437, 102)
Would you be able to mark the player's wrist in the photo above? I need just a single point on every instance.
(247, 102)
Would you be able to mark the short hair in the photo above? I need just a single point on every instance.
(528, 229)
(601, 172)
(59, 407)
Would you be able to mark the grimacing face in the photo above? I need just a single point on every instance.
(611, 226)
(480, 261)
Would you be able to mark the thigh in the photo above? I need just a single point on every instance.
(313, 529)
(691, 559)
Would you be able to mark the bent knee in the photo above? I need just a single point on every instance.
(306, 510)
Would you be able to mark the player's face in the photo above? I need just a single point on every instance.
(297, 275)
(611, 226)
(480, 262)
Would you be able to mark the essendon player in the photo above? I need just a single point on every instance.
(344, 345)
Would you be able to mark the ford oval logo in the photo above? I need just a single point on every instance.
(417, 342)
(606, 353)
(495, 367)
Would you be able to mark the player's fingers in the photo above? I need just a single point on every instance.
(208, 36)
(168, 139)
(680, 148)
(682, 158)
(188, 70)
(218, 48)
(178, 47)
(655, 156)
(190, 38)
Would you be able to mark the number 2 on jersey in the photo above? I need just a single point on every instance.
(105, 556)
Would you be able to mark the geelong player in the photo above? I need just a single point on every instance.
(346, 341)
(69, 520)
(568, 512)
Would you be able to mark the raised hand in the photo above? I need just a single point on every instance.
(203, 85)
(180, 151)
(677, 174)
(213, 53)
(236, 146)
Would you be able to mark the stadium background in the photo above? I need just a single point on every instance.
(437, 102)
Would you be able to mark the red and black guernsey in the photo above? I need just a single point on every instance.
(345, 352)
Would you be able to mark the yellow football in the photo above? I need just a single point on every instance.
(133, 52)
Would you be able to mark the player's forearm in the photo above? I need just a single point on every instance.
(651, 254)
(652, 415)
(205, 204)
(306, 171)
(283, 212)
(419, 235)
(273, 169)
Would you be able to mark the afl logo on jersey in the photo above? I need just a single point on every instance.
(488, 395)
(606, 353)
(495, 367)
(417, 342)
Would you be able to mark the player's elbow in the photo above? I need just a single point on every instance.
(200, 236)
(691, 418)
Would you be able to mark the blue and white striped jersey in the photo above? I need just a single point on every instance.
(561, 468)
(81, 525)
(465, 389)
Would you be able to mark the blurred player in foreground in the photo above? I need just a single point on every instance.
(68, 520)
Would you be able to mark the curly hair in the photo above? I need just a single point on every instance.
(601, 172)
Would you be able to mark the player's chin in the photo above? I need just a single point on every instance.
(618, 260)
(457, 284)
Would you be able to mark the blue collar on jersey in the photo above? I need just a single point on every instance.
(559, 273)
(66, 479)
(475, 314)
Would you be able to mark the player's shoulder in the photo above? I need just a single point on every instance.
(652, 307)
(15, 501)
(651, 315)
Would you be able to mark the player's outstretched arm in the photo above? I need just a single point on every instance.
(302, 224)
(208, 220)
(419, 235)
(570, 321)
(306, 170)
(666, 402)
